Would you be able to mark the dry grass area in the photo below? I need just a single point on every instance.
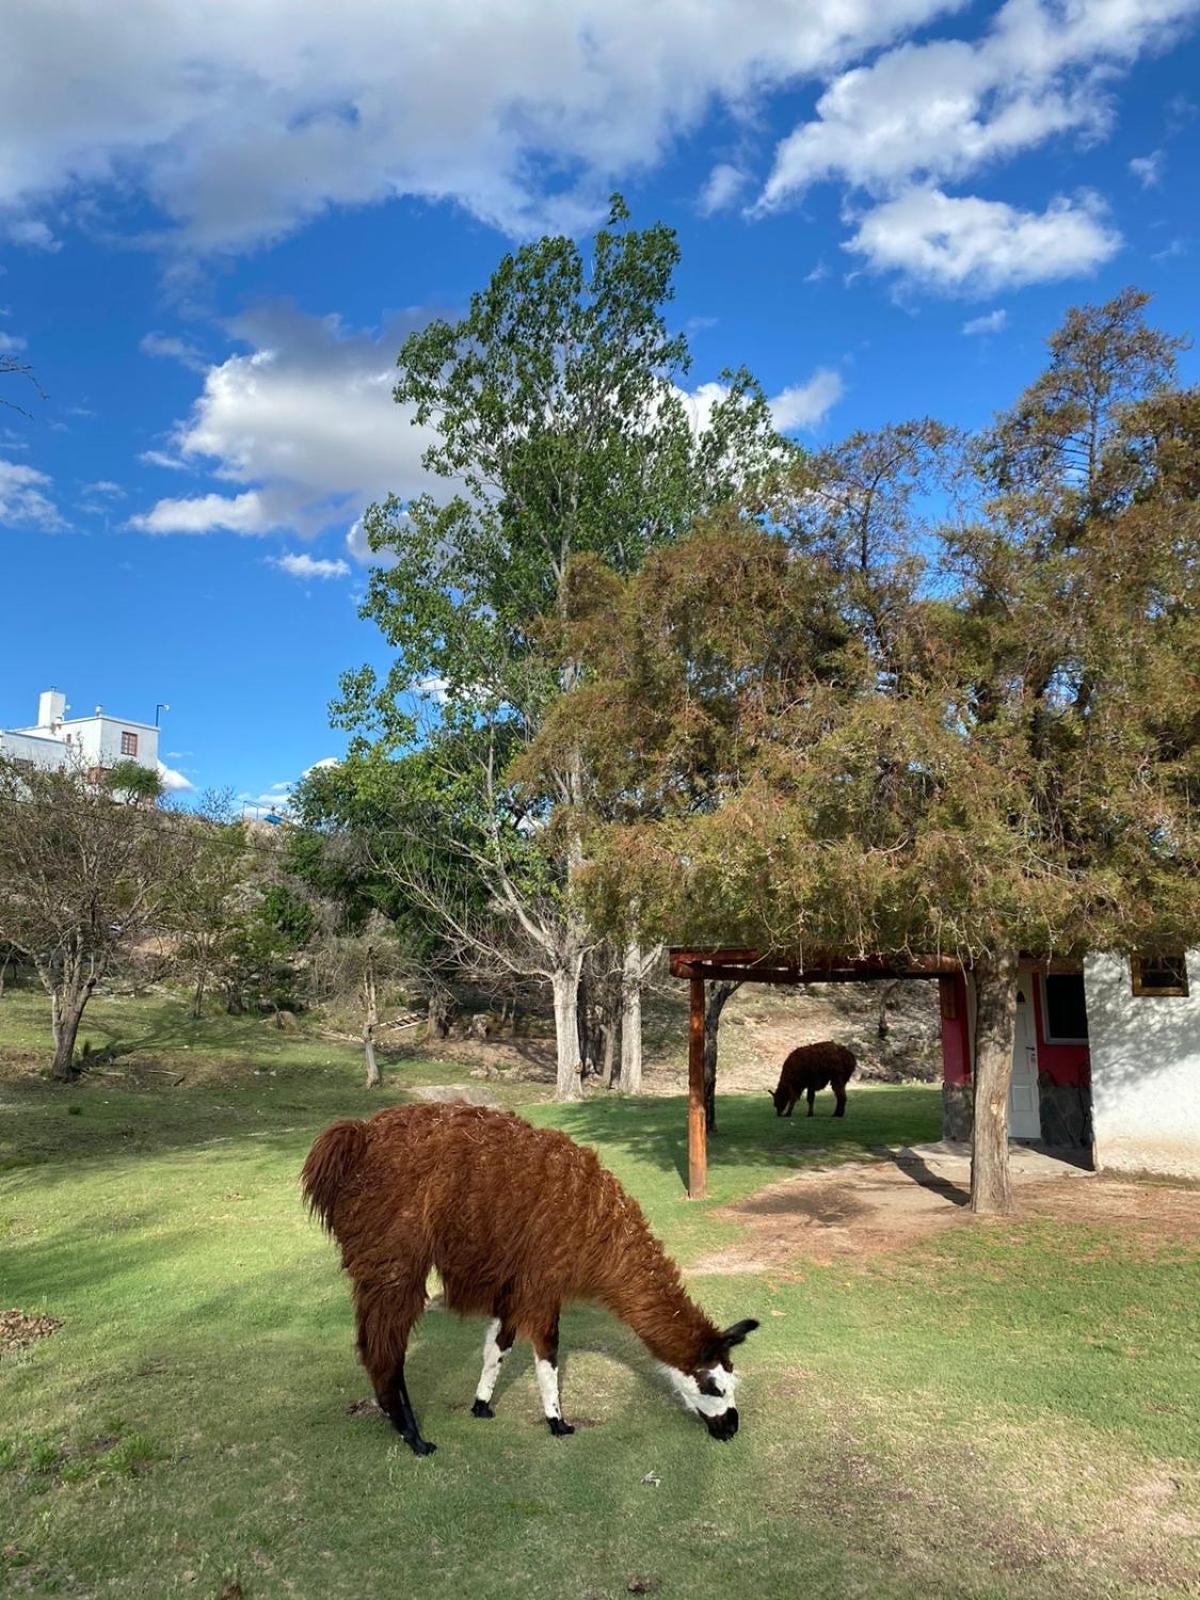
(864, 1209)
(1051, 1510)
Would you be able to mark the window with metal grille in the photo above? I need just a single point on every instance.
(1161, 975)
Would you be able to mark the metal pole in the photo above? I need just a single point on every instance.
(697, 1131)
(161, 706)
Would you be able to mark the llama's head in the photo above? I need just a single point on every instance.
(708, 1388)
(780, 1098)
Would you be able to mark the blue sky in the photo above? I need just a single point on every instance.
(216, 224)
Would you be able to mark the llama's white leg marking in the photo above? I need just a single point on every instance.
(547, 1377)
(493, 1360)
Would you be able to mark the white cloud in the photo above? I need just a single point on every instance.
(943, 109)
(306, 421)
(210, 513)
(28, 231)
(803, 405)
(305, 566)
(360, 550)
(725, 183)
(991, 322)
(173, 782)
(1170, 251)
(10, 342)
(104, 486)
(241, 121)
(173, 349)
(325, 761)
(1148, 169)
(24, 502)
(432, 689)
(970, 246)
(160, 458)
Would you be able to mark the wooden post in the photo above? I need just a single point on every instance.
(697, 1133)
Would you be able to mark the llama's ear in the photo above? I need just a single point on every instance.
(737, 1334)
(724, 1342)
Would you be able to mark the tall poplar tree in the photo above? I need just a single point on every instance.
(561, 430)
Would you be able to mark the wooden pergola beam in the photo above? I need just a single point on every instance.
(751, 966)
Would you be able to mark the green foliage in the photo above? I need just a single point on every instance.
(128, 780)
(357, 817)
(561, 430)
(968, 738)
(289, 914)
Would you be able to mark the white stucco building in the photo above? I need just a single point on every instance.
(1144, 1042)
(1106, 1055)
(95, 743)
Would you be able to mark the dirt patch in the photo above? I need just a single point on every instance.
(18, 1330)
(869, 1208)
(368, 1407)
(1156, 1212)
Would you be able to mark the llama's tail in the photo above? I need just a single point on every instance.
(330, 1162)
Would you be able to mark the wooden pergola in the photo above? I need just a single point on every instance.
(699, 967)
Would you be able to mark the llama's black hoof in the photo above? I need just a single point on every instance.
(559, 1428)
(420, 1447)
(482, 1409)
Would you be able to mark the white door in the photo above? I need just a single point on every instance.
(1024, 1111)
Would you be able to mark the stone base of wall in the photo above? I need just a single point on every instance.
(1066, 1114)
(1066, 1111)
(958, 1113)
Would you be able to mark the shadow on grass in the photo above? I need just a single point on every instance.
(654, 1131)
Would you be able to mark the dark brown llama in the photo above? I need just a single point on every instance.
(517, 1220)
(812, 1067)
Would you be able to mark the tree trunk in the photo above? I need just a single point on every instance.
(995, 1010)
(718, 994)
(581, 1021)
(4, 971)
(439, 1015)
(608, 1055)
(565, 985)
(631, 1019)
(198, 997)
(66, 1010)
(370, 1022)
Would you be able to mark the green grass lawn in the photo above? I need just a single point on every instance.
(1007, 1410)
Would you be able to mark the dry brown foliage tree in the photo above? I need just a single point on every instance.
(982, 740)
(84, 880)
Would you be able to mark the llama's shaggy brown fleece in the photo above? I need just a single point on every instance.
(808, 1069)
(516, 1219)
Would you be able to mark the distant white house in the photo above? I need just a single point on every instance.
(96, 743)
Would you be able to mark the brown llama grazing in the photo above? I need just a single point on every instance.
(809, 1068)
(517, 1220)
